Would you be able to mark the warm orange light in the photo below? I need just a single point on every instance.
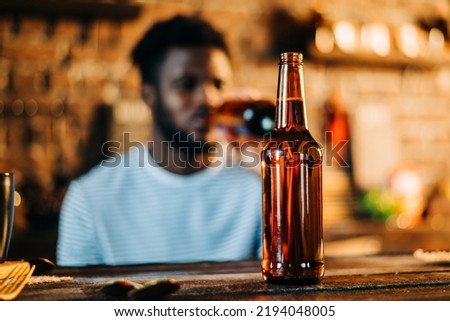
(324, 40)
(345, 35)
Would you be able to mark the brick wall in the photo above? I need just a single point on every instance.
(54, 72)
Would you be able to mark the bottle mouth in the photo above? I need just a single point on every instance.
(291, 56)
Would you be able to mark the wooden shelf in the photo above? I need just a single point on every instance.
(394, 60)
(71, 8)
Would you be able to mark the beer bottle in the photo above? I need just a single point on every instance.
(291, 162)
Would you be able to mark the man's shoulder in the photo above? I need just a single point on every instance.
(121, 165)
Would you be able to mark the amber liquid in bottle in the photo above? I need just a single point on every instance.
(292, 189)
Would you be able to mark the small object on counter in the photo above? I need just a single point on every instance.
(42, 264)
(6, 213)
(49, 279)
(119, 288)
(154, 290)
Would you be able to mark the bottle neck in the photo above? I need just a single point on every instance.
(291, 109)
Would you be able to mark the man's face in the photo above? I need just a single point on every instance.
(192, 83)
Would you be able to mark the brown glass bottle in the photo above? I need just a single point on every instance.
(292, 186)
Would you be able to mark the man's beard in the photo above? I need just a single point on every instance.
(177, 138)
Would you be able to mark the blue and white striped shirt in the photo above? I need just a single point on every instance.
(137, 212)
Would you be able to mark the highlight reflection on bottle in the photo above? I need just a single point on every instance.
(292, 187)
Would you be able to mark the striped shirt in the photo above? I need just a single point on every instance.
(136, 212)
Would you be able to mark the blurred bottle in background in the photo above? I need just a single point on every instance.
(242, 125)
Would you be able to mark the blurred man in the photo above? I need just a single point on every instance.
(171, 201)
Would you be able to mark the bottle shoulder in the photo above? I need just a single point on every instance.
(288, 142)
(297, 136)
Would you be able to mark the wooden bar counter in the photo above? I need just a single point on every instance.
(370, 277)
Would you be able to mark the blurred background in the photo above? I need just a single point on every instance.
(377, 83)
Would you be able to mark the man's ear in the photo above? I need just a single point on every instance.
(148, 93)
